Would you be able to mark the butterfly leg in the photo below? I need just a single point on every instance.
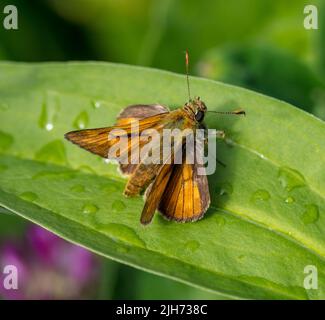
(218, 134)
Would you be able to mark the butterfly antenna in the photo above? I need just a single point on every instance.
(187, 75)
(236, 112)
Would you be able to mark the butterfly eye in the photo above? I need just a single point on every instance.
(199, 116)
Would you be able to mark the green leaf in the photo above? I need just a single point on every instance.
(267, 218)
(136, 284)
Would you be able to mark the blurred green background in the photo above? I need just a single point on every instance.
(258, 44)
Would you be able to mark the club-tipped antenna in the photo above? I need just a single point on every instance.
(187, 75)
(235, 112)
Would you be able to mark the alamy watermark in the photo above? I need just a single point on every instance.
(311, 278)
(168, 146)
(10, 20)
(311, 17)
(310, 22)
(10, 277)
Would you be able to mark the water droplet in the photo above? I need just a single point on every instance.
(289, 200)
(118, 205)
(311, 214)
(52, 152)
(290, 178)
(29, 196)
(49, 111)
(78, 188)
(192, 245)
(220, 220)
(89, 208)
(260, 195)
(119, 232)
(122, 249)
(4, 106)
(3, 167)
(81, 121)
(96, 104)
(6, 140)
(224, 188)
(49, 126)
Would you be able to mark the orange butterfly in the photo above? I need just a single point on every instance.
(175, 189)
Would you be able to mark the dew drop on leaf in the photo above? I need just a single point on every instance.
(118, 205)
(260, 195)
(121, 233)
(224, 188)
(96, 104)
(311, 214)
(290, 178)
(192, 245)
(220, 220)
(6, 140)
(89, 208)
(78, 188)
(107, 161)
(122, 249)
(289, 200)
(49, 111)
(241, 257)
(29, 196)
(52, 152)
(81, 121)
(49, 126)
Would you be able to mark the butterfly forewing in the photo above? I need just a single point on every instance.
(97, 140)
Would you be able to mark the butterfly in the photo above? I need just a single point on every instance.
(176, 190)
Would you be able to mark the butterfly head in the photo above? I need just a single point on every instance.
(196, 109)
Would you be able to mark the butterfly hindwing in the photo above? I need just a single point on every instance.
(140, 111)
(155, 192)
(186, 196)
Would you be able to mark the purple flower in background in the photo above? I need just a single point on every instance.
(48, 267)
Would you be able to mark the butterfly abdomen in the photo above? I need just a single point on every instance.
(141, 178)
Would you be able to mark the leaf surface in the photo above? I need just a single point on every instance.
(267, 218)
